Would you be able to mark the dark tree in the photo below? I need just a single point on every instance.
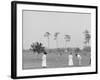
(37, 47)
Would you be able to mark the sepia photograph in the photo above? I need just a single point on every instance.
(53, 39)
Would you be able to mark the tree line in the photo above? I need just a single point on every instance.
(38, 47)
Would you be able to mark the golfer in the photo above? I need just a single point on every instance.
(79, 58)
(44, 65)
(70, 58)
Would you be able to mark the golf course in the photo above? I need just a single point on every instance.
(32, 60)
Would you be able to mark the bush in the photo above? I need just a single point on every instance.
(87, 49)
(37, 47)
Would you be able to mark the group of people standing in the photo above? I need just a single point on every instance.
(70, 59)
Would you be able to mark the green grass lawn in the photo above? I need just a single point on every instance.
(32, 60)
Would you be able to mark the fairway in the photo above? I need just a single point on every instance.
(32, 60)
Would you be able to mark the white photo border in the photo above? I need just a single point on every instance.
(20, 6)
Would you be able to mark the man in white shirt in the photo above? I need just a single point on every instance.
(79, 58)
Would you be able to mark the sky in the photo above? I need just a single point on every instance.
(37, 23)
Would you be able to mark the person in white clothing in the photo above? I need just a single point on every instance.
(79, 58)
(70, 58)
(44, 65)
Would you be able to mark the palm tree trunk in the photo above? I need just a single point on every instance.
(48, 43)
(57, 43)
(65, 45)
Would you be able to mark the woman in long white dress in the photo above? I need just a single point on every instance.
(70, 58)
(44, 65)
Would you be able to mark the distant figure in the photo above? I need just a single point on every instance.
(44, 65)
(70, 58)
(79, 58)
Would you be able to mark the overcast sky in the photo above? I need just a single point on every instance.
(36, 23)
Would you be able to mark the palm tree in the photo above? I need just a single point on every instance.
(67, 39)
(47, 34)
(87, 41)
(87, 37)
(56, 38)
